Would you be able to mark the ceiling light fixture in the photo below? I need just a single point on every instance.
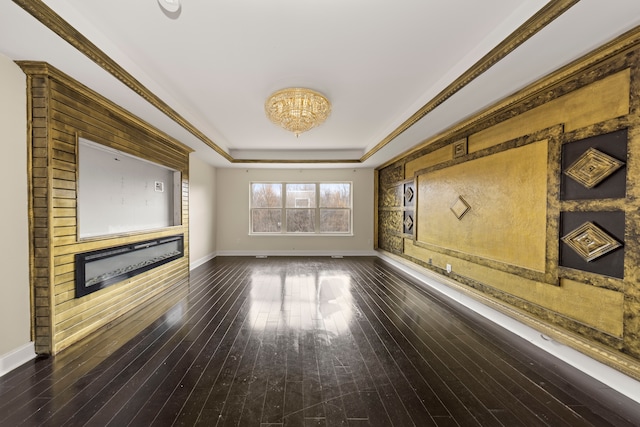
(297, 109)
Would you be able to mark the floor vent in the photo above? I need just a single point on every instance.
(261, 256)
(336, 256)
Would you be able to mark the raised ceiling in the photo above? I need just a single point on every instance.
(396, 72)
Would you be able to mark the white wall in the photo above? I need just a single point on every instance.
(202, 211)
(15, 324)
(233, 214)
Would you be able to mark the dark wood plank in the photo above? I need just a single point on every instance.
(306, 341)
(438, 356)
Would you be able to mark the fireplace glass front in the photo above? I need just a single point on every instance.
(98, 269)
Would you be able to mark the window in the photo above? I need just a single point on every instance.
(301, 208)
(335, 207)
(266, 208)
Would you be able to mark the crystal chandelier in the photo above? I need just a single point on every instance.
(297, 109)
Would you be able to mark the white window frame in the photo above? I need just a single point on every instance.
(283, 228)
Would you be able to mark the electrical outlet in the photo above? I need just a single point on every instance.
(448, 268)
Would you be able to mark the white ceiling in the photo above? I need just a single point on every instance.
(378, 61)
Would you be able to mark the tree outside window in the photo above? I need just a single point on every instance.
(266, 208)
(305, 208)
(335, 207)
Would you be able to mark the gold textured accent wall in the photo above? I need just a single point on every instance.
(600, 101)
(60, 111)
(574, 300)
(438, 156)
(506, 250)
(507, 194)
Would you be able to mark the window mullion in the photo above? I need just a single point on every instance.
(283, 208)
(316, 222)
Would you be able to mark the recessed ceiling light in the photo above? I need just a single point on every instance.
(169, 5)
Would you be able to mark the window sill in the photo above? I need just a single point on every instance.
(300, 234)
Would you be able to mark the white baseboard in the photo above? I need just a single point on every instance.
(612, 378)
(298, 253)
(197, 263)
(11, 360)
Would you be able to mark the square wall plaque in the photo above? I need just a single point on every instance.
(460, 148)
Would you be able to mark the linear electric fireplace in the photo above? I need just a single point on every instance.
(96, 270)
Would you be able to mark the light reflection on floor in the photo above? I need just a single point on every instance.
(304, 302)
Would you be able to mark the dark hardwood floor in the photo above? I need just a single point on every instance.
(306, 342)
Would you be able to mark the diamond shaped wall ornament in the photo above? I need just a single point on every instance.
(408, 194)
(590, 241)
(593, 167)
(408, 222)
(460, 207)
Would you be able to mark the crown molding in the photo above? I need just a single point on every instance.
(64, 30)
(603, 53)
(293, 161)
(527, 30)
(36, 68)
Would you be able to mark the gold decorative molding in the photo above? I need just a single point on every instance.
(617, 61)
(408, 222)
(39, 10)
(548, 274)
(68, 33)
(61, 110)
(279, 161)
(600, 352)
(408, 194)
(527, 30)
(593, 167)
(603, 53)
(460, 148)
(590, 241)
(460, 207)
(36, 68)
